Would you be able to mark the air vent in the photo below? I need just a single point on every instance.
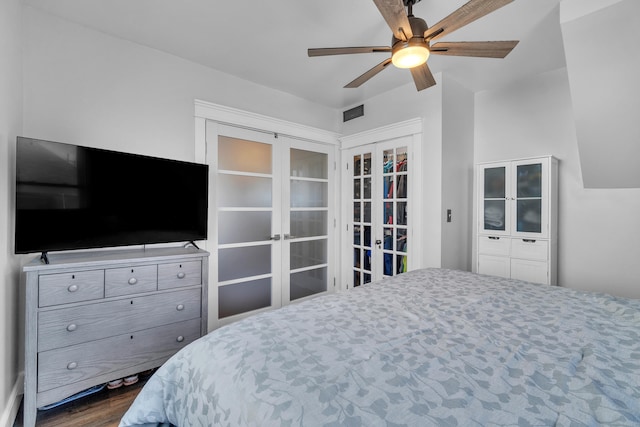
(353, 113)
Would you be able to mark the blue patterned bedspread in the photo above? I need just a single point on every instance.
(429, 347)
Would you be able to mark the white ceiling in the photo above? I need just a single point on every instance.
(266, 41)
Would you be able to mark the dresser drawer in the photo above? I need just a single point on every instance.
(494, 245)
(130, 280)
(530, 249)
(76, 363)
(73, 325)
(179, 274)
(63, 288)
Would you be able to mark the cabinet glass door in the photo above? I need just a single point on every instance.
(308, 239)
(495, 206)
(528, 198)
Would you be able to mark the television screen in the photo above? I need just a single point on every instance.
(73, 197)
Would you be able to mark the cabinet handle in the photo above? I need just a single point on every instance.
(72, 288)
(133, 281)
(181, 275)
(494, 238)
(72, 365)
(180, 307)
(72, 327)
(180, 338)
(529, 240)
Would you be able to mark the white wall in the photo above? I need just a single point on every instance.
(598, 229)
(88, 88)
(10, 127)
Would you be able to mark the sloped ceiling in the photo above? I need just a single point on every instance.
(266, 41)
(602, 46)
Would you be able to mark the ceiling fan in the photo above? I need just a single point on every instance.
(411, 41)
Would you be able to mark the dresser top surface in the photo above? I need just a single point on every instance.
(110, 257)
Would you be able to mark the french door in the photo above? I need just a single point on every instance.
(273, 209)
(378, 182)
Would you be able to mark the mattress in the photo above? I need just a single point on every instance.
(429, 347)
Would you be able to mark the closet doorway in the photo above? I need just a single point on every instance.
(274, 219)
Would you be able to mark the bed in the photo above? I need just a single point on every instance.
(429, 347)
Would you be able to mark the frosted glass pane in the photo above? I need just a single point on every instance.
(494, 183)
(235, 263)
(308, 164)
(238, 227)
(494, 214)
(243, 297)
(307, 194)
(306, 254)
(529, 216)
(244, 156)
(309, 224)
(530, 180)
(307, 283)
(243, 191)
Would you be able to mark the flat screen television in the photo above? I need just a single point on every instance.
(74, 197)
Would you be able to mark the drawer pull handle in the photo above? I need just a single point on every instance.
(72, 288)
(180, 307)
(180, 338)
(529, 240)
(494, 238)
(72, 365)
(72, 327)
(181, 275)
(133, 281)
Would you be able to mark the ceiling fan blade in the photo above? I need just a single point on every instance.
(422, 77)
(366, 76)
(498, 49)
(466, 14)
(393, 12)
(324, 51)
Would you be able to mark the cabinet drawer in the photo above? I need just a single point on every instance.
(529, 249)
(75, 363)
(74, 325)
(530, 271)
(494, 245)
(179, 274)
(494, 265)
(63, 288)
(130, 280)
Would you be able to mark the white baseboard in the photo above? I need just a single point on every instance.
(8, 416)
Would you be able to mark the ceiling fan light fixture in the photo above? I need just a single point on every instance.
(410, 54)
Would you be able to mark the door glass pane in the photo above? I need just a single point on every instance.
(357, 165)
(494, 183)
(356, 188)
(388, 187)
(242, 297)
(306, 254)
(243, 191)
(310, 194)
(494, 214)
(367, 188)
(366, 167)
(529, 180)
(246, 156)
(308, 223)
(401, 241)
(234, 263)
(309, 164)
(241, 227)
(310, 282)
(529, 216)
(401, 216)
(357, 235)
(356, 211)
(388, 213)
(367, 212)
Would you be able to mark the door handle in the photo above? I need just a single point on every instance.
(378, 242)
(275, 237)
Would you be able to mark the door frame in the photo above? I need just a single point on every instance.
(206, 118)
(411, 128)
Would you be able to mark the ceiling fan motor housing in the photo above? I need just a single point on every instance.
(418, 27)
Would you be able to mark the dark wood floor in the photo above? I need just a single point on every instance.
(103, 409)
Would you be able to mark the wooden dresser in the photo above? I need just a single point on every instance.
(93, 317)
